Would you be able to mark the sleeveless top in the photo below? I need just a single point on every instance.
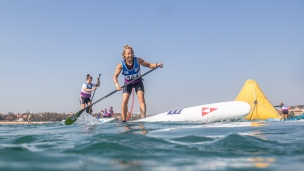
(284, 108)
(131, 74)
(110, 111)
(85, 94)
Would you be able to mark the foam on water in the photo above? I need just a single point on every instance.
(87, 119)
(30, 147)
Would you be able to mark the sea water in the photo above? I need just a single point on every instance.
(153, 146)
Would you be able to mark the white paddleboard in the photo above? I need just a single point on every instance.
(204, 113)
(106, 120)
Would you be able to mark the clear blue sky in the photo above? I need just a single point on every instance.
(209, 49)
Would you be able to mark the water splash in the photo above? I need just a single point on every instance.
(87, 119)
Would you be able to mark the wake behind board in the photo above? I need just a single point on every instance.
(106, 120)
(204, 113)
(101, 121)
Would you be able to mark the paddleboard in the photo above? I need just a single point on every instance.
(106, 120)
(203, 113)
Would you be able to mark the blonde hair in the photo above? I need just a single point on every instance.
(124, 50)
(89, 77)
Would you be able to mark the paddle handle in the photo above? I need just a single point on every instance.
(95, 89)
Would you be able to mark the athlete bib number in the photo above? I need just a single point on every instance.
(132, 77)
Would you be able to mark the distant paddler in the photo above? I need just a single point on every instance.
(130, 69)
(86, 90)
(105, 114)
(29, 119)
(111, 112)
(284, 110)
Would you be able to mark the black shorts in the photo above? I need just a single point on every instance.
(285, 111)
(138, 87)
(84, 100)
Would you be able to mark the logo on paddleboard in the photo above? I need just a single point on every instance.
(174, 112)
(206, 110)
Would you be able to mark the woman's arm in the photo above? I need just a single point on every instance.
(88, 90)
(116, 74)
(148, 64)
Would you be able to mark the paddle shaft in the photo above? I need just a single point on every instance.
(122, 87)
(90, 111)
(95, 89)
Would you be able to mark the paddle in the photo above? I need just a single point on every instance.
(74, 117)
(90, 110)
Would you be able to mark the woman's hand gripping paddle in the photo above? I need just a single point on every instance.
(74, 117)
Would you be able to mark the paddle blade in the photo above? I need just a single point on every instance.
(74, 117)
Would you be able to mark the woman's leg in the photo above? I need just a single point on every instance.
(142, 103)
(124, 105)
(82, 105)
(286, 115)
(88, 110)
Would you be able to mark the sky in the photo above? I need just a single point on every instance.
(209, 49)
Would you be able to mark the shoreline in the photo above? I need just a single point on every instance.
(20, 123)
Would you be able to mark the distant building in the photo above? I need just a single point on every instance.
(24, 116)
(297, 111)
(1, 116)
(20, 120)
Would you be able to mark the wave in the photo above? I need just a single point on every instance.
(161, 146)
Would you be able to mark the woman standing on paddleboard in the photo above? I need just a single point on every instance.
(284, 110)
(85, 93)
(130, 69)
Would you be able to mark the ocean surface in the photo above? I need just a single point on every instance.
(153, 146)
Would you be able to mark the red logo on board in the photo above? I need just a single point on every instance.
(206, 110)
